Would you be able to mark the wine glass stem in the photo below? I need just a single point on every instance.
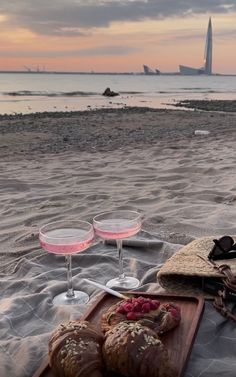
(120, 253)
(70, 291)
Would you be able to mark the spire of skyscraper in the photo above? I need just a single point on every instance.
(208, 50)
(207, 67)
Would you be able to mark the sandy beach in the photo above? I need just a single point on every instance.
(75, 165)
(57, 165)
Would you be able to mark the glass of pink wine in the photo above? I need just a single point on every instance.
(117, 225)
(67, 237)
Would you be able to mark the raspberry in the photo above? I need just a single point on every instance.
(146, 308)
(140, 300)
(131, 316)
(120, 309)
(175, 313)
(128, 307)
(155, 304)
(137, 307)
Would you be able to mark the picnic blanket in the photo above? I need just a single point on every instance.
(31, 278)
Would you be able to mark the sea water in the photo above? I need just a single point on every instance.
(39, 92)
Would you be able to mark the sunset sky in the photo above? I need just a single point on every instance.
(115, 35)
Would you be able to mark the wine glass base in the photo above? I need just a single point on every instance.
(78, 298)
(127, 282)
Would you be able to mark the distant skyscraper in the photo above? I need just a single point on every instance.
(208, 50)
(207, 68)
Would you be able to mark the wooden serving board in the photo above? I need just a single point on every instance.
(179, 341)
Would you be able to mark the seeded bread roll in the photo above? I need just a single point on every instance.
(151, 313)
(133, 350)
(75, 350)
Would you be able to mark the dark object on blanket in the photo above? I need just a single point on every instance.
(192, 270)
(223, 249)
(151, 313)
(75, 350)
(133, 350)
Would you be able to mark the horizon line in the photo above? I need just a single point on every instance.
(110, 73)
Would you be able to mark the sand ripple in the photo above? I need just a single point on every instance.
(185, 187)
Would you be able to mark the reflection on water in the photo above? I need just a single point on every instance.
(29, 93)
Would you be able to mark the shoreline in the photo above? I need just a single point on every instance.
(67, 105)
(211, 105)
(208, 105)
(106, 130)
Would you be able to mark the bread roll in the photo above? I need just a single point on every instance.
(133, 350)
(75, 350)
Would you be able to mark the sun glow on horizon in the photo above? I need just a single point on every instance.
(123, 46)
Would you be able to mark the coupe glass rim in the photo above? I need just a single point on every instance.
(44, 234)
(97, 219)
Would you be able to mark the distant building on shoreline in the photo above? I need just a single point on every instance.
(149, 71)
(207, 68)
(185, 70)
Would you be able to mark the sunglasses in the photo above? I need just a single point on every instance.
(223, 249)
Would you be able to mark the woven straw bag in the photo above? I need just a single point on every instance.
(185, 271)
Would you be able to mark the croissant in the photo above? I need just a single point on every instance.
(151, 313)
(75, 350)
(133, 350)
